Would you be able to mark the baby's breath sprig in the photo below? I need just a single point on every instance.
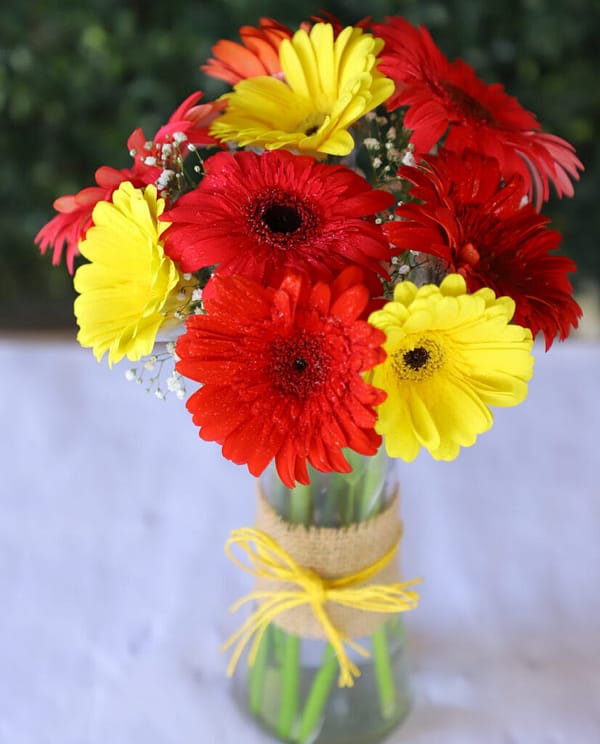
(385, 143)
(150, 373)
(175, 178)
(190, 294)
(419, 268)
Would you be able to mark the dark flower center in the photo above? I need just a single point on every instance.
(284, 220)
(310, 124)
(465, 105)
(299, 364)
(281, 218)
(416, 358)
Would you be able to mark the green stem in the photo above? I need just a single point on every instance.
(353, 489)
(350, 504)
(290, 683)
(318, 694)
(333, 505)
(301, 505)
(372, 485)
(256, 674)
(300, 512)
(386, 687)
(278, 644)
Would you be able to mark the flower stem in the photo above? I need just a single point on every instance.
(257, 673)
(290, 683)
(373, 481)
(301, 505)
(386, 687)
(300, 512)
(353, 494)
(318, 695)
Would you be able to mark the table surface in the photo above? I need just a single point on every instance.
(114, 587)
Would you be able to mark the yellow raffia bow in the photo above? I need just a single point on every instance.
(268, 560)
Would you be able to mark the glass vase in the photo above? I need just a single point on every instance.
(292, 687)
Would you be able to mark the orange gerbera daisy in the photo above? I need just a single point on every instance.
(258, 54)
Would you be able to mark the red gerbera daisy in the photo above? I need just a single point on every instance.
(258, 54)
(445, 98)
(281, 373)
(74, 216)
(478, 228)
(259, 214)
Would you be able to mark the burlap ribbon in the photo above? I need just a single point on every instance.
(331, 553)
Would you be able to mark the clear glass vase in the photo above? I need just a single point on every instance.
(292, 688)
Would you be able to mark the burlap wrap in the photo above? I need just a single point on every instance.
(333, 552)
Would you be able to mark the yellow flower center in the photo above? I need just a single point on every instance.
(311, 124)
(417, 359)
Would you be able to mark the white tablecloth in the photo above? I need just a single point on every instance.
(114, 587)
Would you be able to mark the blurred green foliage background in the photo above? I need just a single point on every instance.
(76, 78)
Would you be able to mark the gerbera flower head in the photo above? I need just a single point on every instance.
(328, 84)
(479, 229)
(281, 372)
(448, 100)
(69, 226)
(129, 287)
(258, 215)
(258, 54)
(450, 355)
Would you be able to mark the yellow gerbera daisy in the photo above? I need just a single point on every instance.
(450, 355)
(328, 85)
(128, 286)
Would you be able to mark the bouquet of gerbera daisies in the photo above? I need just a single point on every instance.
(346, 252)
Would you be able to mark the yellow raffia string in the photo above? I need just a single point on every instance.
(268, 560)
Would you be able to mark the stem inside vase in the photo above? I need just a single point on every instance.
(292, 688)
